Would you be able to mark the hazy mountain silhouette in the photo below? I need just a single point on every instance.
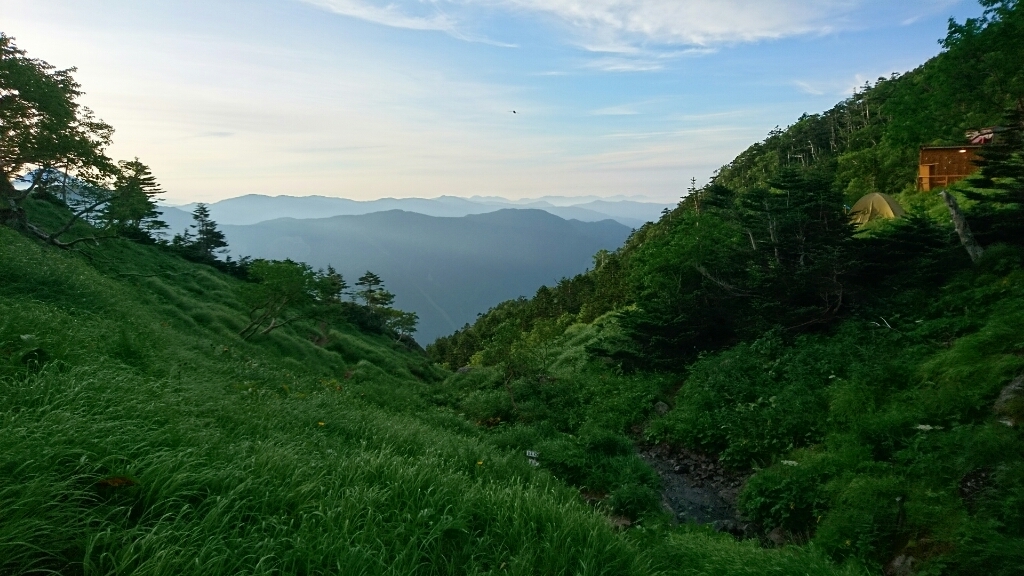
(445, 269)
(176, 219)
(254, 208)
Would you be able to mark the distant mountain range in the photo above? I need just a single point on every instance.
(446, 269)
(253, 208)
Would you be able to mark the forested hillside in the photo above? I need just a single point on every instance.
(862, 384)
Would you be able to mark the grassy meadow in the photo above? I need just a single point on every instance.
(141, 435)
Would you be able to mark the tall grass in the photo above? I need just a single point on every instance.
(139, 435)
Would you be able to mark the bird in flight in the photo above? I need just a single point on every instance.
(512, 111)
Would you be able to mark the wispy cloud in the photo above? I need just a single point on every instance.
(388, 15)
(618, 26)
(635, 35)
(615, 111)
(689, 22)
(838, 87)
(613, 64)
(808, 88)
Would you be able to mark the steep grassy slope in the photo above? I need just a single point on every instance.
(140, 435)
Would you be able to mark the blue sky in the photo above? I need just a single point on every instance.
(366, 99)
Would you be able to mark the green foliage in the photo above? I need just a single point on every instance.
(132, 210)
(548, 395)
(279, 286)
(998, 187)
(142, 435)
(47, 133)
(868, 143)
(204, 244)
(371, 291)
(43, 124)
(852, 375)
(753, 403)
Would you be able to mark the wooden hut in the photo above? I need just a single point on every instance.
(940, 166)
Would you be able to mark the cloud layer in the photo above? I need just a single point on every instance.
(618, 25)
(626, 26)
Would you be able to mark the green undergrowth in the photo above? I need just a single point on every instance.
(570, 409)
(140, 435)
(879, 439)
(874, 440)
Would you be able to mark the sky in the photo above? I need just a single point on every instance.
(365, 99)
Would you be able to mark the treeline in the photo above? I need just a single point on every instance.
(53, 152)
(869, 142)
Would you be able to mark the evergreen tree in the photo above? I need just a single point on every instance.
(371, 291)
(132, 210)
(998, 188)
(207, 239)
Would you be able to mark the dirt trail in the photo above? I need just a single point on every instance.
(695, 488)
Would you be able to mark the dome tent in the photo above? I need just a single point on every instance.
(875, 205)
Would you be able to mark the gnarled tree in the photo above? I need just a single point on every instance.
(46, 134)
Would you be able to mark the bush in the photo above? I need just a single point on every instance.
(634, 500)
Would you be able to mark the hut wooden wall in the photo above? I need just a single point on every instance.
(942, 165)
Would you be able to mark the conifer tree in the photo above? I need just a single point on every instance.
(132, 209)
(998, 188)
(371, 291)
(206, 239)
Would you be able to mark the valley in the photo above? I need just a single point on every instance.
(756, 379)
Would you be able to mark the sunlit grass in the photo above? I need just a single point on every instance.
(149, 439)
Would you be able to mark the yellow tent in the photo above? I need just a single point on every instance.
(875, 205)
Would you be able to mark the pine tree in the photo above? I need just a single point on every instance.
(371, 291)
(208, 239)
(132, 210)
(998, 188)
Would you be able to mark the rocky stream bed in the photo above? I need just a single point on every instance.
(696, 488)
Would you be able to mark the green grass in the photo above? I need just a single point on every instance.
(140, 435)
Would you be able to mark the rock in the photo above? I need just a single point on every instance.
(725, 526)
(620, 522)
(661, 408)
(902, 565)
(1010, 404)
(777, 536)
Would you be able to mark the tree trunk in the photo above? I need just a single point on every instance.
(974, 250)
(12, 214)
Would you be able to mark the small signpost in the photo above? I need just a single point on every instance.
(532, 456)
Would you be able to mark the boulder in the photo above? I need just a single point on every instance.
(1010, 404)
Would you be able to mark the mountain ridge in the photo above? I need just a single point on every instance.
(446, 269)
(255, 208)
